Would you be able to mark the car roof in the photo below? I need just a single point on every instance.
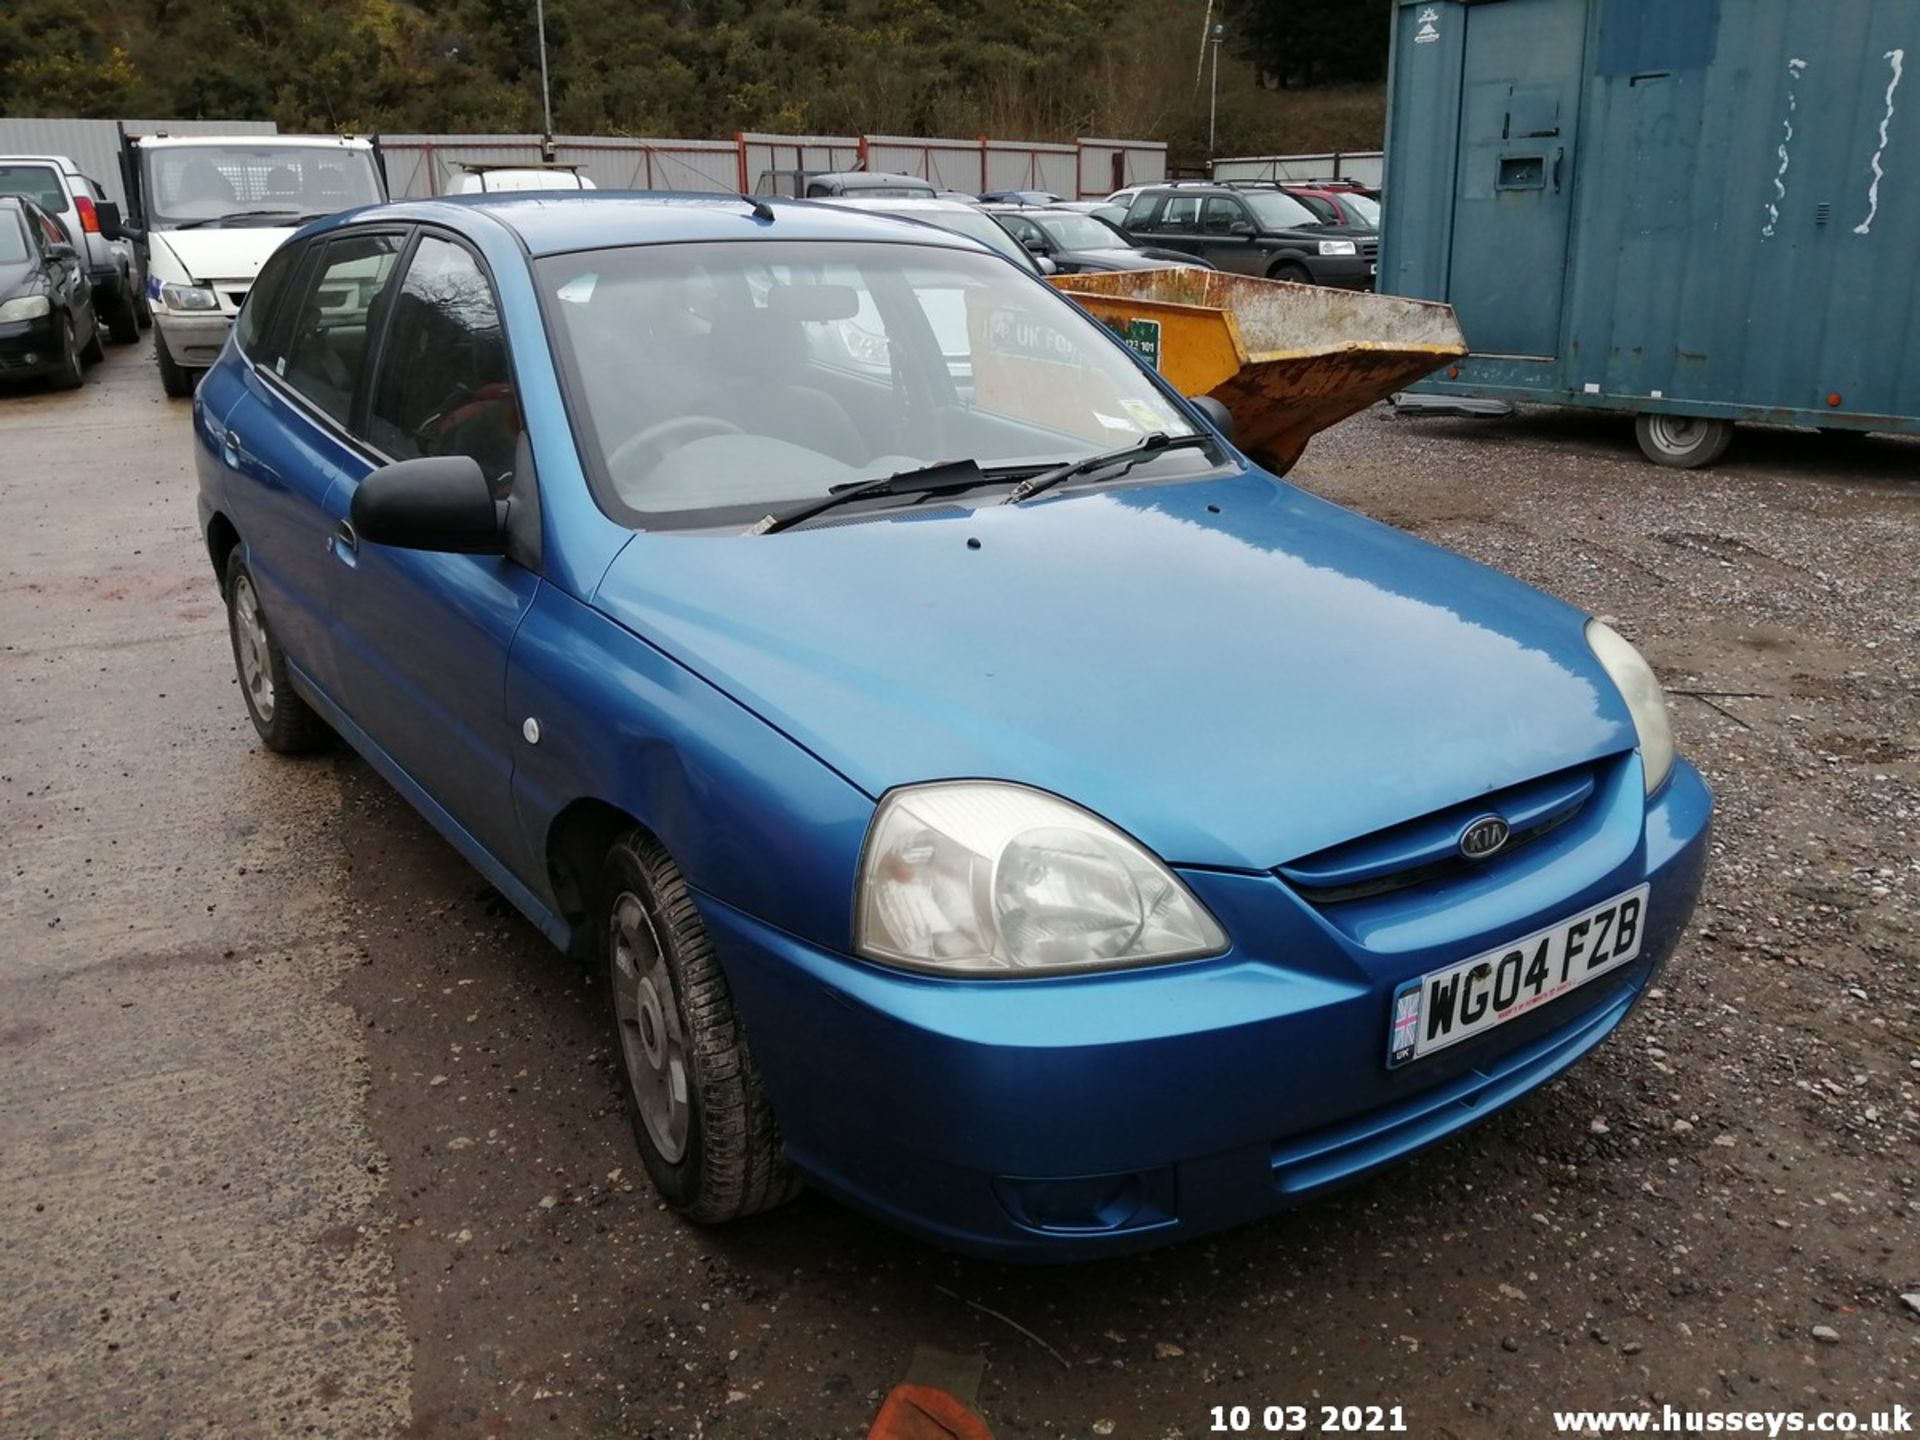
(867, 177)
(330, 142)
(60, 162)
(927, 204)
(549, 223)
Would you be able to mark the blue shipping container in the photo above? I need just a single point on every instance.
(1696, 211)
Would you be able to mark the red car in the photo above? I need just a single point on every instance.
(1339, 202)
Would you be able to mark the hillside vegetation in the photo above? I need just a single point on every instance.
(1030, 69)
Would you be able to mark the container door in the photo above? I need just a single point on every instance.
(1514, 197)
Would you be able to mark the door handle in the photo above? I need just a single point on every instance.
(230, 443)
(1558, 156)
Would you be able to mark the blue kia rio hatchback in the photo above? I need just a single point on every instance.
(991, 799)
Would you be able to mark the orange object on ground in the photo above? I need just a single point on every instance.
(921, 1412)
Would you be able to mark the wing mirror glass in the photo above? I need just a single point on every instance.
(438, 502)
(61, 250)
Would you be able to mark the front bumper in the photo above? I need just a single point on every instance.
(30, 347)
(1069, 1118)
(194, 338)
(1343, 272)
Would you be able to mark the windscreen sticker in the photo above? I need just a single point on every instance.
(579, 290)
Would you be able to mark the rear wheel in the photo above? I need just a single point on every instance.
(286, 723)
(72, 371)
(1685, 442)
(700, 1112)
(93, 352)
(117, 309)
(176, 380)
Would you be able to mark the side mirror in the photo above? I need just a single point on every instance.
(1046, 265)
(60, 250)
(1217, 414)
(112, 225)
(1241, 227)
(438, 502)
(1035, 244)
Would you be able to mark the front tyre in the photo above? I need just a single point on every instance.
(1684, 442)
(177, 380)
(287, 724)
(699, 1108)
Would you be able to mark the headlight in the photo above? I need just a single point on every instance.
(1646, 702)
(980, 878)
(1339, 247)
(189, 297)
(24, 307)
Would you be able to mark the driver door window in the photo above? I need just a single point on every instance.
(444, 386)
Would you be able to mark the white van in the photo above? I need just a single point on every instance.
(210, 209)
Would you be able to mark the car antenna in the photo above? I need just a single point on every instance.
(761, 210)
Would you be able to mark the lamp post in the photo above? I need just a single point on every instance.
(1213, 109)
(546, 96)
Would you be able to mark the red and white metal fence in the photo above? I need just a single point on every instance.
(420, 165)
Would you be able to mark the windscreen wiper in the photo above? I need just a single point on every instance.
(234, 215)
(1158, 443)
(943, 478)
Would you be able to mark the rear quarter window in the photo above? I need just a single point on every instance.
(257, 313)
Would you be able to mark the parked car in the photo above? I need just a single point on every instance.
(1078, 244)
(1002, 807)
(209, 209)
(1020, 197)
(1256, 231)
(55, 184)
(954, 216)
(47, 321)
(476, 179)
(1338, 205)
(814, 184)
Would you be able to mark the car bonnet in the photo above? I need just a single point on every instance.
(1231, 670)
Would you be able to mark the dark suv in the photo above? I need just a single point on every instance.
(1256, 231)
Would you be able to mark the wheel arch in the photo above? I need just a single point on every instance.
(222, 539)
(577, 843)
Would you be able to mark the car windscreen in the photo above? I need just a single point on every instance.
(1324, 210)
(712, 384)
(209, 183)
(14, 248)
(1081, 232)
(1365, 208)
(1276, 211)
(37, 183)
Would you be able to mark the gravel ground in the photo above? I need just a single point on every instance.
(1721, 1208)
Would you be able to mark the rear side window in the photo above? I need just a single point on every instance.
(445, 387)
(38, 183)
(327, 346)
(257, 313)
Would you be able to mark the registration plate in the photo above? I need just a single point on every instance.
(1471, 997)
